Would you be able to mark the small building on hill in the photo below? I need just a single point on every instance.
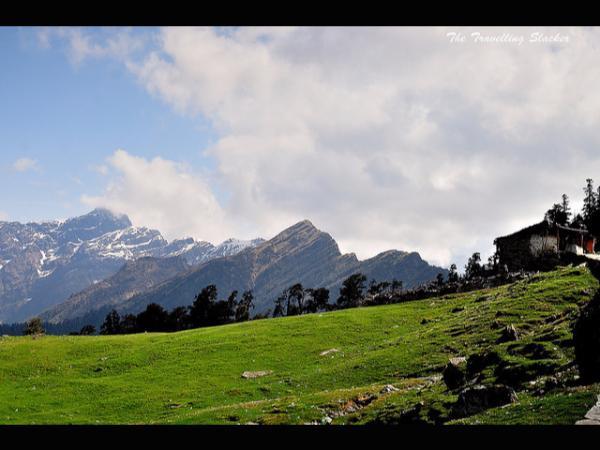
(544, 242)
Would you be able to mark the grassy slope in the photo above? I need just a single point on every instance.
(195, 376)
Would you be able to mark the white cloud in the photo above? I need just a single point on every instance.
(25, 165)
(162, 194)
(3, 216)
(101, 169)
(386, 137)
(82, 45)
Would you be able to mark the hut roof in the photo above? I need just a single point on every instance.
(544, 225)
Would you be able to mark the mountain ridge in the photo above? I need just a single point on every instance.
(300, 253)
(42, 264)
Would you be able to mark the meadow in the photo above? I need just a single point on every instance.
(362, 365)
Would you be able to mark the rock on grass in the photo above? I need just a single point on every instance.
(479, 398)
(454, 372)
(256, 374)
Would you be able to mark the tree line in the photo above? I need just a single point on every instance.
(589, 217)
(208, 310)
(205, 311)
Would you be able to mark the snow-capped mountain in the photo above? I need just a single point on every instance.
(42, 264)
(299, 254)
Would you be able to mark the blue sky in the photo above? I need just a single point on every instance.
(69, 118)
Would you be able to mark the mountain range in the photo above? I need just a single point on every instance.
(301, 253)
(84, 266)
(43, 264)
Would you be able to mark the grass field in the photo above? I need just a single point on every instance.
(194, 377)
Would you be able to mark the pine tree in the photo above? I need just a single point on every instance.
(590, 201)
(112, 323)
(242, 312)
(279, 302)
(452, 274)
(565, 208)
(473, 267)
(352, 291)
(200, 309)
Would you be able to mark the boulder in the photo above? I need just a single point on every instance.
(587, 422)
(509, 333)
(586, 337)
(388, 388)
(326, 420)
(412, 415)
(479, 398)
(329, 352)
(479, 361)
(454, 373)
(256, 374)
(594, 412)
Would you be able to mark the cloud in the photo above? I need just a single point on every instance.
(83, 44)
(162, 194)
(386, 137)
(3, 216)
(25, 165)
(101, 169)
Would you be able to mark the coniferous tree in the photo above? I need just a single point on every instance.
(128, 324)
(318, 300)
(578, 221)
(396, 286)
(154, 318)
(473, 267)
(242, 312)
(279, 310)
(439, 279)
(352, 291)
(557, 215)
(452, 274)
(112, 323)
(590, 202)
(232, 304)
(566, 210)
(295, 303)
(374, 287)
(219, 313)
(200, 309)
(179, 319)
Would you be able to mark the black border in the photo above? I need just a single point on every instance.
(424, 14)
(318, 14)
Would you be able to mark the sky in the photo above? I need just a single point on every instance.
(433, 140)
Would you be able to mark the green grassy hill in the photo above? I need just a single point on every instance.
(196, 376)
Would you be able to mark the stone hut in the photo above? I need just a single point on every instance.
(537, 245)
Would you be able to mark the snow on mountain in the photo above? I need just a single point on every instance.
(41, 264)
(233, 246)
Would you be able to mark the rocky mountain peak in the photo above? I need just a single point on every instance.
(300, 231)
(42, 264)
